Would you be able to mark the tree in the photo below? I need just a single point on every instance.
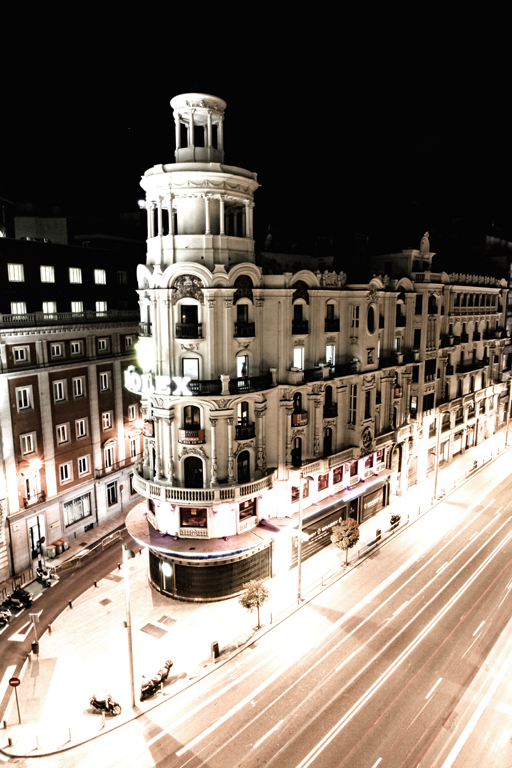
(345, 535)
(255, 596)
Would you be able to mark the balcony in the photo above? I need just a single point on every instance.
(191, 436)
(245, 431)
(67, 318)
(331, 325)
(299, 419)
(477, 335)
(472, 366)
(330, 411)
(144, 329)
(104, 471)
(244, 330)
(300, 327)
(205, 387)
(189, 331)
(249, 383)
(35, 498)
(400, 321)
(449, 370)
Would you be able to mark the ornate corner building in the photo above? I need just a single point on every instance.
(254, 385)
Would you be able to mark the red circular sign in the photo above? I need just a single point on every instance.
(120, 487)
(14, 681)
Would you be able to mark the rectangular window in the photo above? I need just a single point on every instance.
(76, 347)
(59, 391)
(18, 308)
(417, 338)
(111, 494)
(190, 368)
(106, 419)
(413, 406)
(79, 386)
(355, 317)
(62, 433)
(77, 307)
(65, 472)
(398, 343)
(77, 509)
(103, 345)
(323, 482)
(75, 275)
(80, 428)
(367, 404)
(298, 358)
(419, 304)
(47, 274)
(24, 398)
(15, 273)
(132, 412)
(100, 277)
(28, 443)
(128, 342)
(101, 307)
(134, 447)
(352, 404)
(337, 475)
(122, 277)
(49, 307)
(83, 465)
(242, 366)
(21, 354)
(56, 350)
(330, 354)
(105, 381)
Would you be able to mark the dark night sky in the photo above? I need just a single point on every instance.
(394, 125)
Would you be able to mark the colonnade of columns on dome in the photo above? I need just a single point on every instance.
(235, 217)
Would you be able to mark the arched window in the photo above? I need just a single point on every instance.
(193, 472)
(191, 417)
(370, 319)
(243, 413)
(432, 305)
(297, 403)
(328, 395)
(243, 464)
(445, 424)
(328, 442)
(297, 452)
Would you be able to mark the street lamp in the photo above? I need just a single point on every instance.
(308, 478)
(127, 555)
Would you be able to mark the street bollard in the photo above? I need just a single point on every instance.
(69, 729)
(102, 719)
(95, 584)
(119, 566)
(9, 741)
(49, 629)
(70, 604)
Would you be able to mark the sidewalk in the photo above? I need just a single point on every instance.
(88, 643)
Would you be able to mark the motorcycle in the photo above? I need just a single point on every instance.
(43, 576)
(20, 598)
(394, 520)
(149, 687)
(5, 615)
(105, 703)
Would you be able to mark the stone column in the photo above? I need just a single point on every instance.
(235, 222)
(191, 130)
(250, 209)
(316, 443)
(244, 221)
(168, 448)
(170, 456)
(178, 132)
(213, 423)
(261, 460)
(149, 212)
(207, 214)
(159, 216)
(209, 130)
(169, 208)
(220, 134)
(231, 458)
(221, 216)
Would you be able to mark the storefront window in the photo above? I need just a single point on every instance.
(337, 475)
(77, 509)
(368, 462)
(354, 469)
(295, 492)
(193, 517)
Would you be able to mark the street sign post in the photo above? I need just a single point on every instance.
(14, 682)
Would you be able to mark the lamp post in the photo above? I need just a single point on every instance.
(299, 538)
(127, 555)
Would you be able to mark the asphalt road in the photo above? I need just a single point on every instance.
(374, 672)
(50, 602)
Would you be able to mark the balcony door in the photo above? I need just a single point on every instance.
(193, 472)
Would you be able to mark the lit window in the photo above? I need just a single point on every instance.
(330, 354)
(59, 391)
(76, 347)
(75, 275)
(101, 307)
(100, 276)
(104, 382)
(83, 465)
(128, 342)
(18, 308)
(106, 419)
(21, 354)
(47, 274)
(298, 358)
(24, 398)
(352, 404)
(77, 509)
(56, 350)
(111, 494)
(49, 307)
(62, 433)
(77, 307)
(134, 447)
(15, 273)
(79, 386)
(65, 472)
(81, 428)
(28, 443)
(132, 412)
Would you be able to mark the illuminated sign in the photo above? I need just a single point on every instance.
(149, 384)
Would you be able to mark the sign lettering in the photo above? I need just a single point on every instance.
(149, 384)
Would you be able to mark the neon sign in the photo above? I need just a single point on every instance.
(150, 384)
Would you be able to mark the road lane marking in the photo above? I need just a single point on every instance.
(365, 698)
(475, 534)
(478, 628)
(401, 608)
(268, 734)
(9, 672)
(443, 566)
(376, 764)
(429, 694)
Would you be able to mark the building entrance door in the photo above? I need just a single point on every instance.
(36, 532)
